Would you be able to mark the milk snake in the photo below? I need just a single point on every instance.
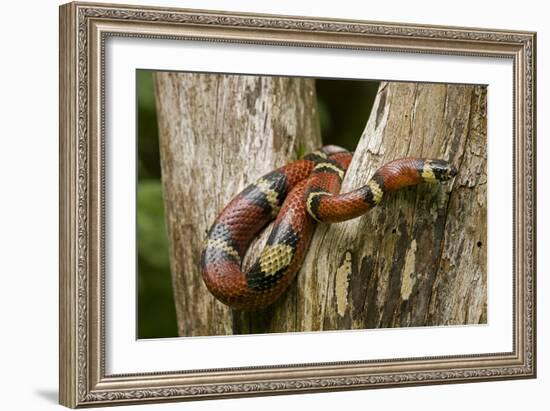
(297, 195)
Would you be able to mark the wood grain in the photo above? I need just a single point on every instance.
(219, 133)
(420, 257)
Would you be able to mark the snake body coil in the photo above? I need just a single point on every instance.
(296, 195)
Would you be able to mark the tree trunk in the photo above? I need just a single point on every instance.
(420, 257)
(217, 134)
(417, 259)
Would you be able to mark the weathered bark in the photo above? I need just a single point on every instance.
(417, 259)
(420, 257)
(217, 134)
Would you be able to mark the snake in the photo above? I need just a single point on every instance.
(298, 196)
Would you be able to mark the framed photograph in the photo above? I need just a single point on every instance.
(260, 204)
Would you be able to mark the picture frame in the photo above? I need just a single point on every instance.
(85, 29)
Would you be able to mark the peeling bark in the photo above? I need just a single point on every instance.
(420, 257)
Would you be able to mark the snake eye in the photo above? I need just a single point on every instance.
(443, 170)
(451, 171)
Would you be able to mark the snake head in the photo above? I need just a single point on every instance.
(443, 170)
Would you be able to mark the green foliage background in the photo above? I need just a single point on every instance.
(344, 107)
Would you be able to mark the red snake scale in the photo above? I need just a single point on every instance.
(297, 196)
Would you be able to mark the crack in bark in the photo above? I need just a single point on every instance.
(449, 202)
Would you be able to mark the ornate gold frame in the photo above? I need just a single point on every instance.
(83, 30)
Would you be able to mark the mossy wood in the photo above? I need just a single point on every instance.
(418, 259)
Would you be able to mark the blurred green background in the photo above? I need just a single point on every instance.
(344, 107)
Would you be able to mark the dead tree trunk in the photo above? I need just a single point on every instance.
(418, 259)
(217, 134)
